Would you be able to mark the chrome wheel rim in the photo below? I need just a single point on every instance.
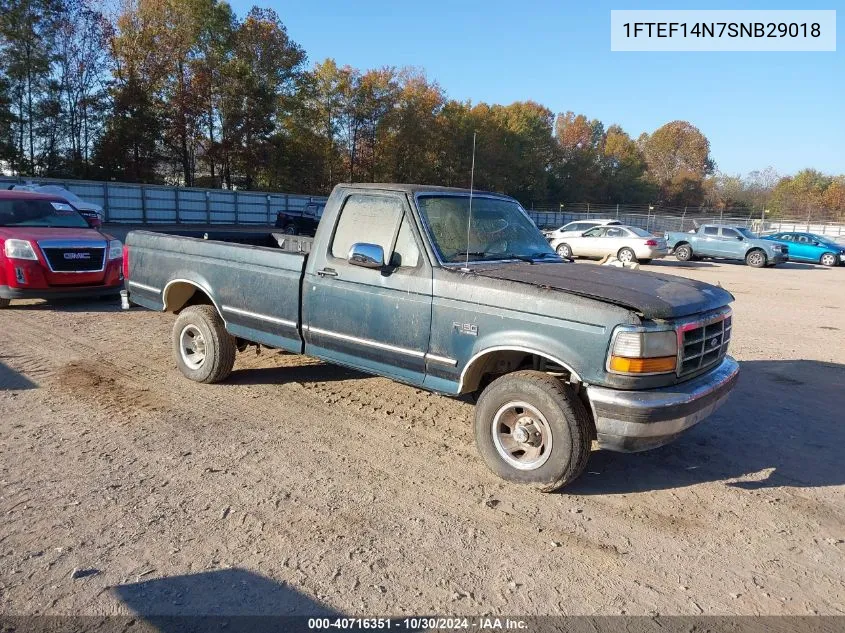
(522, 436)
(626, 256)
(827, 260)
(192, 346)
(563, 250)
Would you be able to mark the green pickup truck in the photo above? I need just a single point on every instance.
(460, 294)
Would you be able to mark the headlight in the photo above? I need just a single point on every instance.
(115, 249)
(19, 249)
(649, 352)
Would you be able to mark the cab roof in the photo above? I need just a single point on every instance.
(413, 189)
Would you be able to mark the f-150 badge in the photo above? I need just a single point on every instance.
(466, 328)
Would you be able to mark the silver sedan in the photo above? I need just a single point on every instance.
(626, 243)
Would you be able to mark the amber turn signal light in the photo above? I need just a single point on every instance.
(661, 364)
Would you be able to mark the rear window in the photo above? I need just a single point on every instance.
(639, 232)
(40, 213)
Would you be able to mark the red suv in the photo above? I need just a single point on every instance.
(48, 250)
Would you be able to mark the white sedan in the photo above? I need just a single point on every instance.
(577, 228)
(626, 243)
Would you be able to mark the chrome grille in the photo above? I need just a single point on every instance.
(703, 343)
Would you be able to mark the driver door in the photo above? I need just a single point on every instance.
(590, 244)
(378, 320)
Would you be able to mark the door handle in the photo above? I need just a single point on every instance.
(327, 272)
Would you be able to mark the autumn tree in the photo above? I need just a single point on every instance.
(678, 158)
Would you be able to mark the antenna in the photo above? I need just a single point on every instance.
(469, 216)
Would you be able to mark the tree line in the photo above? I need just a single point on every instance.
(186, 92)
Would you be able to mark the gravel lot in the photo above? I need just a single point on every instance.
(301, 488)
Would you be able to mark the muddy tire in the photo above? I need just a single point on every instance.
(828, 259)
(4, 303)
(683, 253)
(531, 428)
(564, 251)
(204, 350)
(756, 258)
(291, 229)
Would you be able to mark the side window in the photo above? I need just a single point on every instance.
(711, 230)
(786, 237)
(730, 233)
(614, 232)
(366, 218)
(596, 232)
(406, 254)
(803, 239)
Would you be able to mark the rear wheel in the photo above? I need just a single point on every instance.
(683, 253)
(204, 350)
(564, 251)
(291, 229)
(626, 255)
(531, 428)
(828, 259)
(756, 259)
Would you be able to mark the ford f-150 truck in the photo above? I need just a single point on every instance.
(48, 250)
(726, 242)
(458, 294)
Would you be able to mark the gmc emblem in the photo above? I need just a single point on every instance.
(77, 255)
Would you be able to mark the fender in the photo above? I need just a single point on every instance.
(478, 358)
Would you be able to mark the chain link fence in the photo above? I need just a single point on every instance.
(658, 220)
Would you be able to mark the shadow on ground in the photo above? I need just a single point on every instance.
(307, 373)
(782, 426)
(107, 303)
(220, 600)
(11, 380)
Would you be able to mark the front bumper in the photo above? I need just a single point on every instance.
(630, 421)
(7, 292)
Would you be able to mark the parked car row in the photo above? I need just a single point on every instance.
(603, 237)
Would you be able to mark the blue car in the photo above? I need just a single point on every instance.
(808, 247)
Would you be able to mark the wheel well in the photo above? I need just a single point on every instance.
(682, 244)
(487, 366)
(756, 248)
(178, 295)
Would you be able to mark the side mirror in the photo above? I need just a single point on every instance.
(366, 255)
(739, 238)
(817, 243)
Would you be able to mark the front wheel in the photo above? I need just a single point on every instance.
(828, 259)
(531, 428)
(564, 251)
(756, 259)
(204, 350)
(683, 253)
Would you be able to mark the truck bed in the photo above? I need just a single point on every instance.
(254, 279)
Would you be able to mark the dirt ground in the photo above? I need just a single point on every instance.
(301, 488)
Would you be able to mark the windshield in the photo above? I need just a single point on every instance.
(40, 213)
(499, 229)
(745, 232)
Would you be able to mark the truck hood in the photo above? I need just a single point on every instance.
(653, 295)
(35, 233)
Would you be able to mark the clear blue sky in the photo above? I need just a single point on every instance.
(758, 109)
